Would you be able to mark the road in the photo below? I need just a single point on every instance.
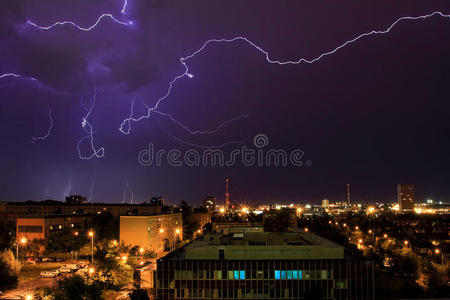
(27, 287)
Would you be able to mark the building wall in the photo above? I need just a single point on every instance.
(42, 209)
(134, 231)
(264, 279)
(30, 229)
(405, 194)
(152, 232)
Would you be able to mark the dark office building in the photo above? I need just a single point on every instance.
(405, 194)
(263, 265)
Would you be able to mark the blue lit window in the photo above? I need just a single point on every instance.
(300, 274)
(236, 274)
(289, 274)
(283, 274)
(241, 274)
(295, 274)
(277, 274)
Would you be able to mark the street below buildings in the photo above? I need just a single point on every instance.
(27, 288)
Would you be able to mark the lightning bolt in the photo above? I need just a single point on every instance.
(91, 191)
(127, 189)
(14, 75)
(87, 127)
(124, 7)
(41, 138)
(68, 188)
(89, 28)
(126, 124)
(186, 73)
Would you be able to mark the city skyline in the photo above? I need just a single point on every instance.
(372, 114)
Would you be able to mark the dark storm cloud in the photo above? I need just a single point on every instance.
(67, 59)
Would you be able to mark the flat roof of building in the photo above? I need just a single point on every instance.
(260, 246)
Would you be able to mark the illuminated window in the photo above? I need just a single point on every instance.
(289, 274)
(283, 274)
(277, 274)
(230, 275)
(295, 274)
(236, 274)
(241, 274)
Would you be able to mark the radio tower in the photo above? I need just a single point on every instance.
(348, 193)
(227, 194)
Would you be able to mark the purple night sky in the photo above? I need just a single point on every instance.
(373, 114)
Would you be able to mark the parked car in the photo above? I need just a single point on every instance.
(71, 266)
(46, 259)
(48, 274)
(65, 270)
(60, 259)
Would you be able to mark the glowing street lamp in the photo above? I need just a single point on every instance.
(385, 236)
(244, 210)
(91, 271)
(29, 297)
(161, 230)
(222, 210)
(306, 229)
(370, 210)
(91, 235)
(23, 241)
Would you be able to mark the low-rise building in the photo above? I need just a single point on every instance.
(50, 207)
(42, 227)
(263, 265)
(157, 233)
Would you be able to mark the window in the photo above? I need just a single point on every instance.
(230, 275)
(236, 274)
(277, 274)
(30, 228)
(341, 284)
(289, 274)
(242, 275)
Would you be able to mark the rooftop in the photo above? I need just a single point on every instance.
(260, 246)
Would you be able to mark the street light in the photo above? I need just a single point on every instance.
(91, 271)
(23, 241)
(29, 297)
(385, 236)
(161, 230)
(91, 235)
(437, 251)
